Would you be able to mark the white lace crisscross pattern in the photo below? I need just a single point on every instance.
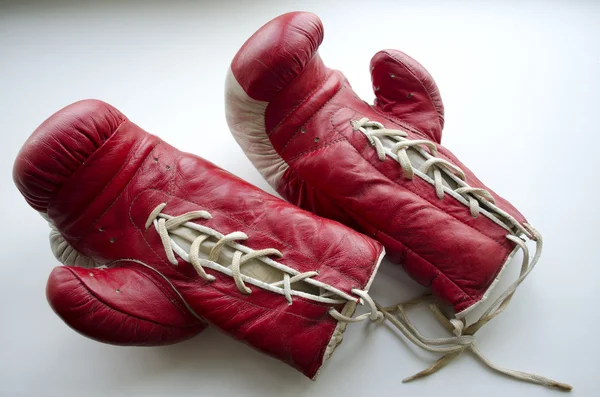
(165, 223)
(451, 346)
(472, 197)
(374, 131)
(464, 338)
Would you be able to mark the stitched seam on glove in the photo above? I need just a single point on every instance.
(124, 189)
(502, 243)
(400, 122)
(91, 293)
(338, 140)
(309, 120)
(302, 102)
(57, 192)
(85, 231)
(436, 269)
(425, 200)
(166, 292)
(314, 149)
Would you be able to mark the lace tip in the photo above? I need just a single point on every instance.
(411, 378)
(561, 386)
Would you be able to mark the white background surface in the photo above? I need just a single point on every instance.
(522, 94)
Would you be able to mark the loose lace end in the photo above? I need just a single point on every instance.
(452, 347)
(439, 364)
(561, 386)
(457, 326)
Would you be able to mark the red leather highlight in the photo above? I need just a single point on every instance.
(121, 306)
(112, 165)
(405, 89)
(335, 172)
(42, 168)
(109, 227)
(277, 53)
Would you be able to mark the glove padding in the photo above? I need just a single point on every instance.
(325, 150)
(121, 306)
(174, 241)
(379, 169)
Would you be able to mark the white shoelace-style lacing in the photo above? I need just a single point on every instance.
(451, 346)
(163, 226)
(464, 339)
(374, 131)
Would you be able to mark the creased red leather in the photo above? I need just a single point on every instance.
(334, 171)
(98, 176)
(120, 306)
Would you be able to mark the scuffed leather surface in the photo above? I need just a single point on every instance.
(334, 171)
(101, 208)
(121, 306)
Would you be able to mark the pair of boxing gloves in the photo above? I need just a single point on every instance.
(157, 243)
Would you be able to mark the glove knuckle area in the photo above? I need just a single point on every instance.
(59, 146)
(277, 53)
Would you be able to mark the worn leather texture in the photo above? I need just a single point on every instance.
(97, 176)
(324, 165)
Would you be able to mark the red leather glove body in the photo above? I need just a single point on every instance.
(174, 242)
(378, 168)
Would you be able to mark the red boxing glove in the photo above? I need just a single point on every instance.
(325, 150)
(379, 169)
(174, 241)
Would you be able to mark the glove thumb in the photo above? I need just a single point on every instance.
(405, 89)
(121, 306)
